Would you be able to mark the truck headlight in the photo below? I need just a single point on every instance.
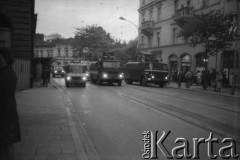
(87, 74)
(63, 71)
(166, 78)
(55, 71)
(105, 75)
(68, 78)
(153, 77)
(120, 75)
(84, 78)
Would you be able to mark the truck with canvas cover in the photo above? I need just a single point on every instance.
(146, 72)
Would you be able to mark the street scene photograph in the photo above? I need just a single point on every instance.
(119, 79)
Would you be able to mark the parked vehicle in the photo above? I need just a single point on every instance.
(146, 72)
(75, 74)
(106, 71)
(58, 71)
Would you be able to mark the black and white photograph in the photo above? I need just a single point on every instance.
(119, 79)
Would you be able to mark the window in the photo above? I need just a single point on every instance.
(59, 52)
(143, 17)
(66, 52)
(41, 53)
(143, 2)
(142, 39)
(176, 4)
(158, 38)
(205, 3)
(174, 36)
(159, 13)
(151, 15)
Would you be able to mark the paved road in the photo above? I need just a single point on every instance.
(114, 118)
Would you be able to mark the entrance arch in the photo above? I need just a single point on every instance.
(199, 61)
(186, 62)
(173, 63)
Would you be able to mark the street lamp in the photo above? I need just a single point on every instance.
(124, 19)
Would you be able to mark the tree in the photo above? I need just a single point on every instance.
(54, 37)
(95, 38)
(209, 29)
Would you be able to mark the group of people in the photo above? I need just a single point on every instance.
(215, 79)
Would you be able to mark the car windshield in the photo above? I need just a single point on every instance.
(111, 64)
(76, 69)
(157, 66)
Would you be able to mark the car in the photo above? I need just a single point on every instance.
(75, 74)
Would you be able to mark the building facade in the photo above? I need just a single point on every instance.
(17, 29)
(51, 54)
(158, 34)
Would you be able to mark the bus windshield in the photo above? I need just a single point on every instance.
(157, 66)
(111, 64)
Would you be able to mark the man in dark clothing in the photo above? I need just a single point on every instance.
(46, 77)
(9, 122)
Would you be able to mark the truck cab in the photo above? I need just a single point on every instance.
(75, 74)
(106, 71)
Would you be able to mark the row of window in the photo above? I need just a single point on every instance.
(40, 53)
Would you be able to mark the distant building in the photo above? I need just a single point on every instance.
(158, 33)
(52, 53)
(17, 29)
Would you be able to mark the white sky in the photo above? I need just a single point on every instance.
(63, 16)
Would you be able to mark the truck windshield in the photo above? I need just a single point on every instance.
(157, 66)
(76, 69)
(111, 64)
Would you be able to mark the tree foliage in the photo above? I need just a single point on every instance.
(203, 28)
(95, 38)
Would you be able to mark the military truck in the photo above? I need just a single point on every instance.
(75, 74)
(107, 70)
(146, 72)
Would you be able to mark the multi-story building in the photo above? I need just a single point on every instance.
(17, 29)
(57, 53)
(158, 33)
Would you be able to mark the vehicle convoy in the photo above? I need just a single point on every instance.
(75, 74)
(146, 72)
(58, 70)
(106, 70)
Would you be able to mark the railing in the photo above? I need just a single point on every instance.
(147, 28)
(183, 12)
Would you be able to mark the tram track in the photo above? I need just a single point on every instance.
(189, 117)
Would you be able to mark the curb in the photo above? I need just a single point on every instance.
(207, 92)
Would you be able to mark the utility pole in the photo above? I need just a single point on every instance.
(235, 36)
(124, 19)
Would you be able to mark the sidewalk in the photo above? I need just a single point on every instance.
(46, 131)
(210, 90)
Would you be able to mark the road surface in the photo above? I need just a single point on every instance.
(114, 119)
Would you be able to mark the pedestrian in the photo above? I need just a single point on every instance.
(199, 76)
(219, 80)
(230, 79)
(46, 77)
(9, 122)
(213, 78)
(179, 78)
(188, 76)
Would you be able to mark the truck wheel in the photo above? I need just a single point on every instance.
(161, 84)
(67, 84)
(99, 82)
(144, 81)
(84, 84)
(119, 83)
(128, 81)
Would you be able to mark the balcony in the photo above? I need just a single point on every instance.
(183, 13)
(147, 28)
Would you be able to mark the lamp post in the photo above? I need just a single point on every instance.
(124, 19)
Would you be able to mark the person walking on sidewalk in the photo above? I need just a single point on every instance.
(179, 78)
(9, 122)
(188, 76)
(46, 77)
(219, 80)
